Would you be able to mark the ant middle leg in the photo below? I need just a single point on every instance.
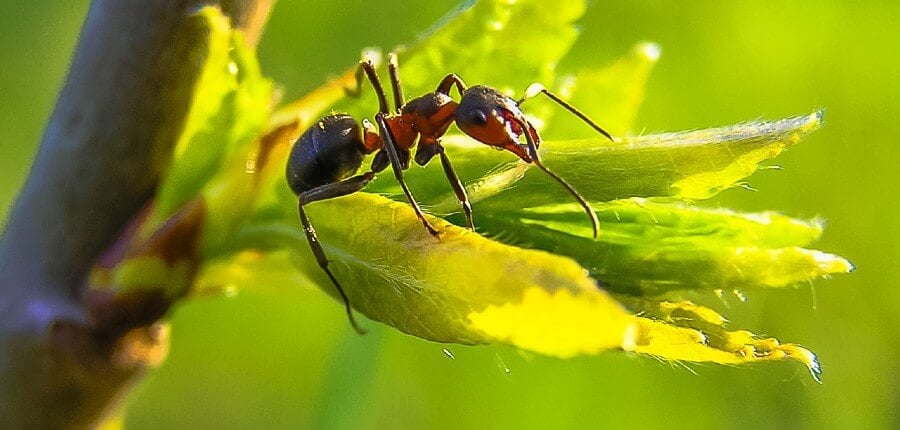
(390, 147)
(536, 88)
(324, 192)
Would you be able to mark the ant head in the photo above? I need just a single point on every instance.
(492, 118)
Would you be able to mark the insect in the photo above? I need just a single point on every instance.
(324, 159)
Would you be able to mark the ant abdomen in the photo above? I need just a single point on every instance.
(329, 151)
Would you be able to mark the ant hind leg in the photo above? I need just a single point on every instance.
(327, 191)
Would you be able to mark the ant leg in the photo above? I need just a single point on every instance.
(536, 88)
(458, 188)
(428, 148)
(367, 68)
(337, 189)
(390, 147)
(448, 82)
(323, 192)
(528, 129)
(394, 72)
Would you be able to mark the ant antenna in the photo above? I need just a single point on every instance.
(367, 67)
(536, 88)
(532, 147)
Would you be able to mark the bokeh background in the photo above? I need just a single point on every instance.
(291, 361)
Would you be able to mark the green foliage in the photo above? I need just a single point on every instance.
(231, 105)
(464, 287)
(649, 248)
(722, 63)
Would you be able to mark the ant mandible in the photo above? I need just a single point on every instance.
(324, 159)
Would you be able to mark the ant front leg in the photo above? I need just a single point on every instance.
(390, 147)
(324, 192)
(448, 82)
(532, 139)
(536, 88)
(458, 188)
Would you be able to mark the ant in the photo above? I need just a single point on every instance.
(324, 159)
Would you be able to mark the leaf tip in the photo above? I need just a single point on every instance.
(806, 357)
(831, 263)
(811, 122)
(819, 116)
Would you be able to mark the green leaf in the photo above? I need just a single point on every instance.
(500, 43)
(460, 288)
(684, 331)
(647, 248)
(688, 165)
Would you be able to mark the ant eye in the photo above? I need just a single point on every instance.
(478, 117)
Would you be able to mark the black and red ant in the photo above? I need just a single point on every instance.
(325, 158)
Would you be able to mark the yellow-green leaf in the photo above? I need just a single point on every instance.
(689, 165)
(648, 247)
(684, 331)
(558, 323)
(460, 288)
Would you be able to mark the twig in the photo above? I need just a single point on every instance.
(103, 152)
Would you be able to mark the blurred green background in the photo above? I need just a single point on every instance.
(291, 361)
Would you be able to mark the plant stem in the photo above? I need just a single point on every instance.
(105, 147)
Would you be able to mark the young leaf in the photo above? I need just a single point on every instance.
(684, 331)
(688, 165)
(459, 288)
(648, 248)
